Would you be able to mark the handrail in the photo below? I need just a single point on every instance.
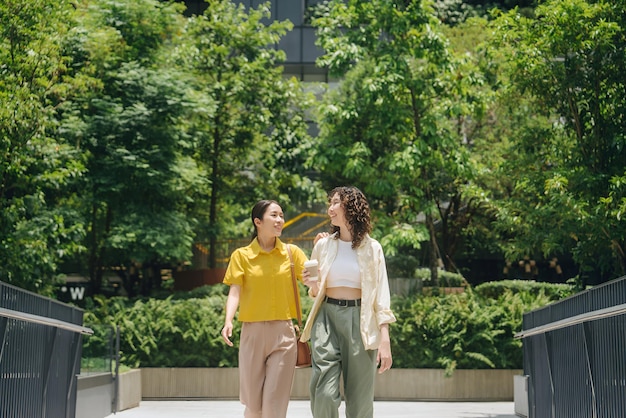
(303, 215)
(22, 316)
(574, 320)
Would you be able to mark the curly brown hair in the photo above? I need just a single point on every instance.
(357, 212)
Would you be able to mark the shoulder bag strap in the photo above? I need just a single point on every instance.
(295, 286)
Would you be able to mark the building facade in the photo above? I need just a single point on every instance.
(298, 44)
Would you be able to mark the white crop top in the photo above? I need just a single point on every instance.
(344, 271)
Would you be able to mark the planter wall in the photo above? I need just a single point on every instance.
(190, 383)
(433, 385)
(520, 397)
(396, 384)
(129, 391)
(94, 395)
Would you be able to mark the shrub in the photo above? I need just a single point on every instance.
(183, 330)
(168, 332)
(464, 331)
(446, 278)
(472, 330)
(554, 291)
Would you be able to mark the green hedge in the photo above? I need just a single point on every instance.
(465, 331)
(472, 330)
(446, 278)
(182, 330)
(554, 291)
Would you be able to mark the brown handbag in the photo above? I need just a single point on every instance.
(304, 349)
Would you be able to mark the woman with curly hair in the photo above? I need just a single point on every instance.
(349, 322)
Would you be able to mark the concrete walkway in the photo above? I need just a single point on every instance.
(300, 409)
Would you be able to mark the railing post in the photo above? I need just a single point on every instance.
(117, 369)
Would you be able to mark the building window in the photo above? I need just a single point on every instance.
(309, 10)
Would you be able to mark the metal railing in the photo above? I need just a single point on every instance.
(40, 351)
(574, 355)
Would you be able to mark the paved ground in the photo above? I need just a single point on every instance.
(300, 409)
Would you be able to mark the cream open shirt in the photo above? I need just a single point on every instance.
(375, 298)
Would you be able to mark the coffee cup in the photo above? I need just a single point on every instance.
(311, 266)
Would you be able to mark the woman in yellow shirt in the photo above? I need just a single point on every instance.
(259, 276)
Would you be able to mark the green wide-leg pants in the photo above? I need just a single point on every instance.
(338, 351)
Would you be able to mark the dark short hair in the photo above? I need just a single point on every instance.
(258, 211)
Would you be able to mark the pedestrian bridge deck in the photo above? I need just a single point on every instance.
(300, 409)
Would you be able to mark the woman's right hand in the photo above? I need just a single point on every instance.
(227, 333)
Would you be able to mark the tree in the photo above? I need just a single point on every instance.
(454, 12)
(125, 117)
(248, 126)
(394, 127)
(570, 61)
(35, 168)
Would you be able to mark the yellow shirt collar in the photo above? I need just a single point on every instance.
(255, 247)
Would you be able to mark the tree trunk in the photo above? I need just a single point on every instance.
(92, 263)
(97, 250)
(432, 259)
(215, 190)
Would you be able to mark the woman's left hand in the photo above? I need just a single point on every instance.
(383, 359)
(306, 279)
(312, 284)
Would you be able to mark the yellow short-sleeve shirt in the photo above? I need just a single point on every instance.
(265, 280)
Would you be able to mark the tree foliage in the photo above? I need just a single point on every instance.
(567, 192)
(128, 131)
(35, 168)
(124, 117)
(455, 12)
(394, 126)
(247, 125)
